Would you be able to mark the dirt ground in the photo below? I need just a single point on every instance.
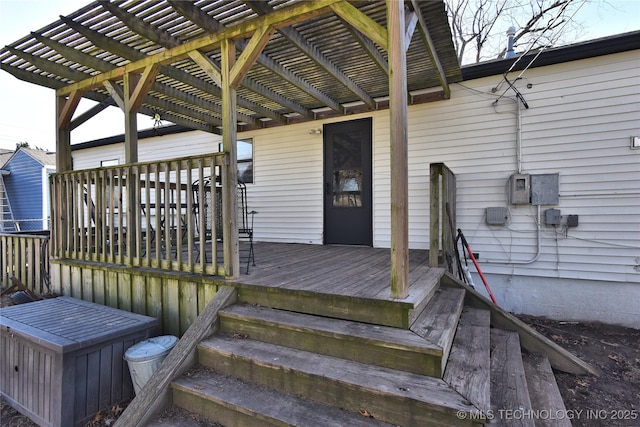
(611, 399)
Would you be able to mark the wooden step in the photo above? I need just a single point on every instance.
(546, 401)
(510, 403)
(175, 416)
(231, 402)
(379, 308)
(393, 396)
(438, 321)
(384, 346)
(468, 368)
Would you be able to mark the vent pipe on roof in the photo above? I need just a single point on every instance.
(511, 32)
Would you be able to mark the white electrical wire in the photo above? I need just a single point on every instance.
(532, 44)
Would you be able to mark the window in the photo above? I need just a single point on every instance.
(245, 160)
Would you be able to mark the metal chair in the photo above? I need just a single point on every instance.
(213, 215)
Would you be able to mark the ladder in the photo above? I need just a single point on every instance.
(7, 221)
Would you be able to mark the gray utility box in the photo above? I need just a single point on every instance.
(62, 358)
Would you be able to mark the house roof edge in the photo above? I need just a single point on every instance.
(557, 55)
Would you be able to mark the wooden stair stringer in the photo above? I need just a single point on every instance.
(468, 368)
(530, 339)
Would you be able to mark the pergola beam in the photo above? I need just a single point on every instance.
(68, 108)
(130, 54)
(362, 23)
(280, 18)
(89, 114)
(161, 88)
(248, 57)
(166, 40)
(312, 52)
(209, 24)
(142, 87)
(431, 49)
(40, 80)
(369, 47)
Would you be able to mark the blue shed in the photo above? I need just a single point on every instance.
(25, 190)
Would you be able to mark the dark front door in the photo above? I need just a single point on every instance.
(347, 183)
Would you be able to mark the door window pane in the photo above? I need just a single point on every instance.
(347, 170)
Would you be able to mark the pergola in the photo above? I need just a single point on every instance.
(224, 66)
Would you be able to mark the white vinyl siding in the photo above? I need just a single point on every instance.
(149, 149)
(579, 122)
(580, 118)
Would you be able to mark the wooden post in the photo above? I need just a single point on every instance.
(434, 213)
(229, 146)
(130, 156)
(399, 157)
(130, 121)
(63, 133)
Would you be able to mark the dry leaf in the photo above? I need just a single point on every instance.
(365, 413)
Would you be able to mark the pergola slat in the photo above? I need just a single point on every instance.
(219, 66)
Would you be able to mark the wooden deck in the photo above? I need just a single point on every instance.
(351, 271)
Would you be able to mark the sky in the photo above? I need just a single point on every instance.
(27, 111)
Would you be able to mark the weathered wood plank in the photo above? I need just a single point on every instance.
(327, 304)
(468, 367)
(543, 391)
(389, 395)
(124, 291)
(76, 277)
(188, 305)
(229, 401)
(87, 285)
(366, 343)
(139, 294)
(111, 288)
(98, 286)
(530, 339)
(399, 149)
(154, 300)
(154, 394)
(438, 321)
(509, 391)
(171, 306)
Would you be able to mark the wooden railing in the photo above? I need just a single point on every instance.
(152, 214)
(25, 257)
(442, 214)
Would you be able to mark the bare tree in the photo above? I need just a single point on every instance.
(479, 26)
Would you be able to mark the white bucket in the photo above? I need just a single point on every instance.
(144, 358)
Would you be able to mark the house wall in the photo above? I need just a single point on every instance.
(25, 190)
(580, 118)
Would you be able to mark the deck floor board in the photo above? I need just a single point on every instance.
(355, 271)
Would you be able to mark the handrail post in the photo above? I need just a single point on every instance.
(442, 185)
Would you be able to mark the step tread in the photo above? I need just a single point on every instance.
(267, 405)
(468, 368)
(509, 391)
(174, 416)
(437, 322)
(344, 329)
(432, 392)
(543, 391)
